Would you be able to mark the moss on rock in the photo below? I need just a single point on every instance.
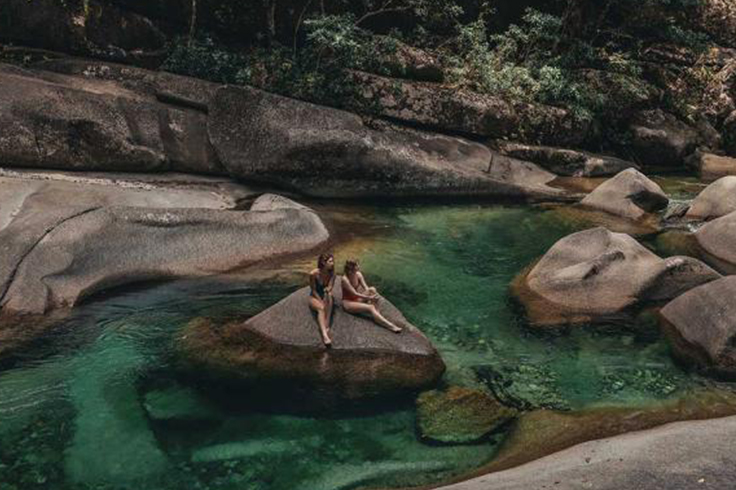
(459, 415)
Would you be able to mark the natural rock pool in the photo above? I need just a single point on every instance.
(101, 405)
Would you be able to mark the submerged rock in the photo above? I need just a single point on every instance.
(630, 194)
(524, 386)
(66, 237)
(111, 441)
(718, 199)
(566, 162)
(178, 404)
(701, 326)
(596, 275)
(282, 344)
(459, 415)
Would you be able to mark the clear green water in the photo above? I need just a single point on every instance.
(100, 406)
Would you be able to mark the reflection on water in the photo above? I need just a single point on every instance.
(103, 407)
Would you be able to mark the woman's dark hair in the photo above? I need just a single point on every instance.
(350, 266)
(322, 260)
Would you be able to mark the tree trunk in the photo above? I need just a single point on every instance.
(193, 22)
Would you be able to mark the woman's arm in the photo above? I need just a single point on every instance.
(313, 285)
(330, 285)
(361, 280)
(349, 287)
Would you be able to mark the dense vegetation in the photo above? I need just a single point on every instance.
(602, 60)
(574, 54)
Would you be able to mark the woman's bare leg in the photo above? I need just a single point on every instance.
(357, 308)
(322, 319)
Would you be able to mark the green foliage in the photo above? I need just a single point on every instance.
(203, 58)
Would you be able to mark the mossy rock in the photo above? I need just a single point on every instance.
(459, 415)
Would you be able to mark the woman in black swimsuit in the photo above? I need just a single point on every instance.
(321, 282)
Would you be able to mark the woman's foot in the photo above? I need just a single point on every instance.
(328, 342)
(396, 329)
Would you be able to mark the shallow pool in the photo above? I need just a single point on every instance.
(101, 405)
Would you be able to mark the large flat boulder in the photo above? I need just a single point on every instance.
(701, 326)
(282, 344)
(717, 243)
(326, 152)
(630, 195)
(65, 237)
(679, 456)
(599, 276)
(567, 162)
(716, 200)
(54, 120)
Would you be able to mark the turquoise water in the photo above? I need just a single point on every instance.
(101, 404)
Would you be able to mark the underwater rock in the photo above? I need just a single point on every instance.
(716, 200)
(282, 344)
(178, 404)
(358, 475)
(716, 242)
(596, 275)
(249, 449)
(630, 194)
(459, 415)
(562, 161)
(112, 442)
(524, 386)
(327, 152)
(63, 242)
(701, 326)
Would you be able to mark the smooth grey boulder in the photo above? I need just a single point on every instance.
(716, 241)
(716, 200)
(562, 161)
(326, 152)
(177, 89)
(598, 276)
(701, 326)
(630, 195)
(660, 139)
(679, 456)
(65, 238)
(712, 167)
(282, 344)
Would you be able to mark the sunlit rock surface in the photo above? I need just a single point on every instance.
(630, 195)
(701, 326)
(282, 344)
(718, 199)
(65, 237)
(596, 275)
(716, 241)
